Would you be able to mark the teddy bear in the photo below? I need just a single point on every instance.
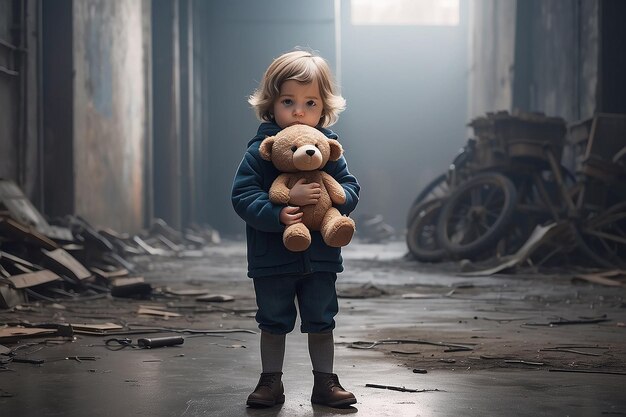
(301, 151)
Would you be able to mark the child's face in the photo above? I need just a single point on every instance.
(298, 103)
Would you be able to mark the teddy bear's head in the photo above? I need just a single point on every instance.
(300, 148)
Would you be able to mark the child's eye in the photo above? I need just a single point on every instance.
(287, 102)
(311, 103)
(294, 148)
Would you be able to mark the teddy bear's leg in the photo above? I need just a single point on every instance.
(337, 230)
(297, 237)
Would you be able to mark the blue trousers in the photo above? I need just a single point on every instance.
(317, 302)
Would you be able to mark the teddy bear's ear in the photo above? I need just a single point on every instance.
(265, 149)
(335, 150)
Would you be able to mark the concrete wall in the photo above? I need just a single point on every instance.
(558, 70)
(109, 112)
(534, 55)
(492, 29)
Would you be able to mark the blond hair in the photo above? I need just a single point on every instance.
(303, 67)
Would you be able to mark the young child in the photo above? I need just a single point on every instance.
(296, 88)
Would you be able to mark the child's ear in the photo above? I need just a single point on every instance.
(266, 148)
(335, 150)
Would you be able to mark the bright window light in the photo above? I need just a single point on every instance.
(405, 12)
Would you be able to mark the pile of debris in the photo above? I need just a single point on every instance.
(510, 191)
(70, 258)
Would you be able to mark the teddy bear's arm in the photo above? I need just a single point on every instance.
(279, 192)
(335, 190)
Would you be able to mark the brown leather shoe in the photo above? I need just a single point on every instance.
(328, 391)
(268, 392)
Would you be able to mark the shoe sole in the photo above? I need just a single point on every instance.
(265, 404)
(338, 404)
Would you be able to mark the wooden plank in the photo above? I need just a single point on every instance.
(20, 231)
(63, 262)
(33, 278)
(11, 334)
(10, 297)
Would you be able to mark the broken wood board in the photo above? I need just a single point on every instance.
(18, 260)
(21, 209)
(33, 278)
(161, 313)
(539, 235)
(121, 272)
(11, 334)
(10, 297)
(67, 264)
(95, 328)
(120, 282)
(186, 291)
(150, 249)
(25, 233)
(22, 269)
(220, 298)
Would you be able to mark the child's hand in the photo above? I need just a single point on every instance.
(303, 194)
(290, 215)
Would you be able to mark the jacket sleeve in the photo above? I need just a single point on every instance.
(251, 201)
(339, 171)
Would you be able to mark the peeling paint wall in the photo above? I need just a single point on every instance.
(563, 69)
(492, 56)
(109, 112)
(534, 55)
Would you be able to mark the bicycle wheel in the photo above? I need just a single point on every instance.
(437, 188)
(421, 236)
(602, 238)
(476, 215)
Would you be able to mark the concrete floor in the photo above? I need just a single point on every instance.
(212, 375)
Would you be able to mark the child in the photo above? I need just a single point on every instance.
(296, 88)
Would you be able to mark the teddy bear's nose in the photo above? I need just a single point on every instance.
(310, 152)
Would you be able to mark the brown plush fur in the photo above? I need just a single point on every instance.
(301, 151)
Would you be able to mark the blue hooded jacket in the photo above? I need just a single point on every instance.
(267, 254)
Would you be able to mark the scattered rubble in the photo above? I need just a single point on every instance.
(73, 274)
(508, 188)
(71, 258)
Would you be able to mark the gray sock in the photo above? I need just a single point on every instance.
(322, 351)
(272, 351)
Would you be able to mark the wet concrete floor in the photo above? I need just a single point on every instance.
(417, 310)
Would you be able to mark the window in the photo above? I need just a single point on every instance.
(405, 12)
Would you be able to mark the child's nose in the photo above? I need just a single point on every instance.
(297, 111)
